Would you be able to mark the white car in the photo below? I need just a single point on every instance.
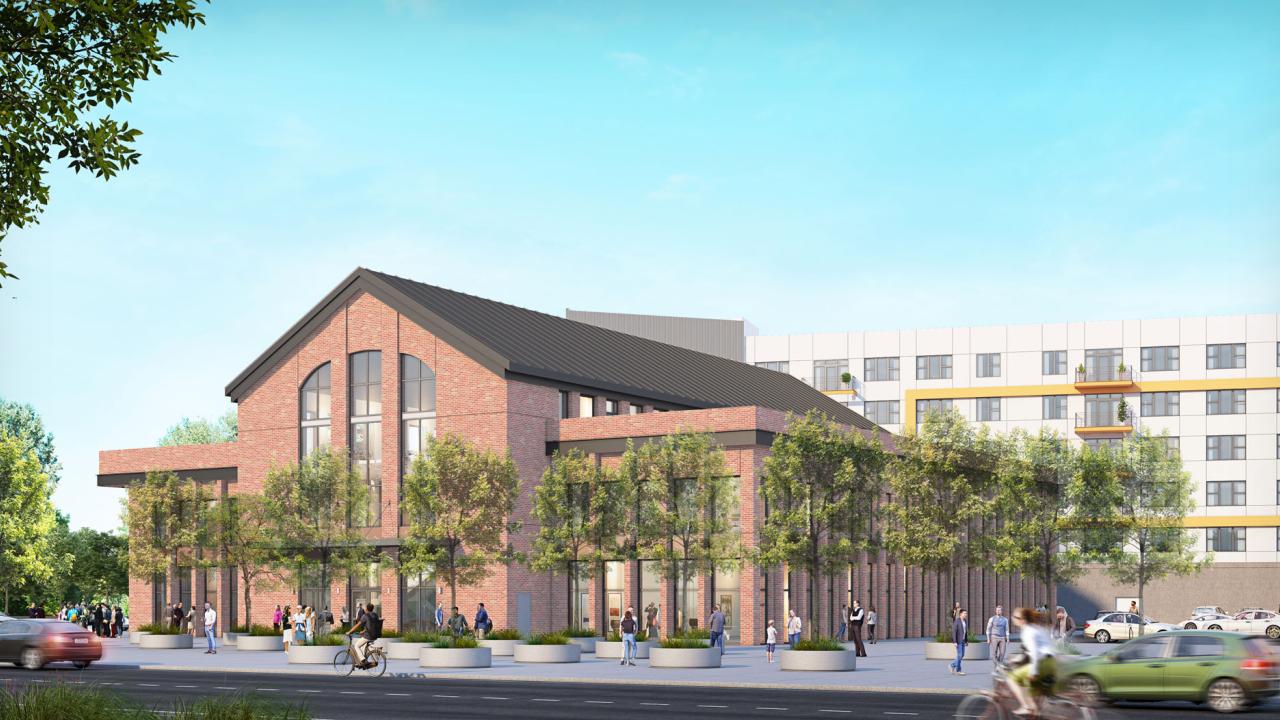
(1207, 610)
(1203, 621)
(1251, 622)
(1122, 626)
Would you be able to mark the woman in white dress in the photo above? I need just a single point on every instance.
(311, 625)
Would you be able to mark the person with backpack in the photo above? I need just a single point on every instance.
(483, 623)
(370, 628)
(457, 623)
(628, 628)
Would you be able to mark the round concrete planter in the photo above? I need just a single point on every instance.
(661, 657)
(613, 650)
(260, 643)
(502, 648)
(433, 657)
(820, 660)
(588, 645)
(312, 654)
(385, 643)
(570, 653)
(947, 651)
(405, 650)
(135, 636)
(165, 642)
(230, 638)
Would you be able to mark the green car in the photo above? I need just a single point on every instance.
(1227, 671)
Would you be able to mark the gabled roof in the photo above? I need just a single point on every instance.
(513, 342)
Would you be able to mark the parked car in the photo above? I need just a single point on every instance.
(1227, 671)
(1202, 622)
(1208, 610)
(1122, 626)
(1251, 622)
(34, 643)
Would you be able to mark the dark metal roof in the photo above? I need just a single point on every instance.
(513, 340)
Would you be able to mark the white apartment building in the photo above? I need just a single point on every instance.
(1213, 383)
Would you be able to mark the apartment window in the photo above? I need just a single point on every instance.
(881, 368)
(366, 428)
(933, 367)
(1278, 492)
(365, 587)
(1160, 358)
(1055, 407)
(781, 366)
(882, 412)
(1102, 410)
(1221, 357)
(924, 407)
(1224, 447)
(1099, 443)
(826, 374)
(1278, 354)
(635, 409)
(610, 407)
(1053, 362)
(1278, 539)
(1224, 402)
(417, 409)
(988, 365)
(1228, 492)
(1172, 445)
(1159, 404)
(988, 409)
(1102, 364)
(315, 399)
(586, 405)
(1228, 539)
(563, 408)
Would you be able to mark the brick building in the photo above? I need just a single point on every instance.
(383, 362)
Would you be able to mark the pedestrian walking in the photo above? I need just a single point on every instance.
(856, 618)
(275, 620)
(872, 619)
(311, 625)
(483, 623)
(715, 624)
(457, 623)
(439, 616)
(651, 621)
(176, 615)
(210, 627)
(189, 622)
(842, 633)
(326, 622)
(344, 617)
(300, 625)
(1063, 624)
(286, 627)
(119, 618)
(628, 628)
(998, 636)
(770, 641)
(960, 634)
(794, 628)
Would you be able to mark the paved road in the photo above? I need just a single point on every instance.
(393, 698)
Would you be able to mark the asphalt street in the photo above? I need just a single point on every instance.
(396, 697)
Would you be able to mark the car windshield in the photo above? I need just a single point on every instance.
(58, 626)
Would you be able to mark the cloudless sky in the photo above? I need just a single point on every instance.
(808, 166)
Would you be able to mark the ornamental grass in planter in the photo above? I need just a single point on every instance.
(821, 645)
(578, 632)
(504, 634)
(819, 655)
(263, 631)
(686, 649)
(455, 652)
(613, 647)
(160, 629)
(549, 648)
(503, 642)
(419, 636)
(548, 639)
(943, 648)
(462, 642)
(411, 643)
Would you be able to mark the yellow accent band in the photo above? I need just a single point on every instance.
(1232, 521)
(1103, 429)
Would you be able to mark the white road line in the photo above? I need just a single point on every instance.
(268, 690)
(310, 691)
(148, 685)
(770, 708)
(186, 686)
(491, 697)
(713, 706)
(656, 704)
(445, 696)
(350, 692)
(398, 694)
(544, 700)
(220, 687)
(598, 702)
(890, 712)
(836, 711)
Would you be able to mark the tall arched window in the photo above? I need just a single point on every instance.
(366, 427)
(417, 408)
(315, 410)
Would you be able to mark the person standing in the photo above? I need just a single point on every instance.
(344, 617)
(794, 628)
(1133, 607)
(176, 617)
(960, 634)
(872, 619)
(770, 641)
(300, 625)
(715, 624)
(190, 621)
(326, 622)
(955, 611)
(842, 633)
(628, 628)
(119, 620)
(998, 636)
(210, 626)
(439, 617)
(275, 620)
(286, 627)
(457, 623)
(856, 618)
(482, 622)
(651, 621)
(311, 625)
(1063, 625)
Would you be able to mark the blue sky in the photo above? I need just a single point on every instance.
(819, 166)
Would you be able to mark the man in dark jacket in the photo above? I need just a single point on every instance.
(960, 634)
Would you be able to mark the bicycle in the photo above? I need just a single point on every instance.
(375, 659)
(1000, 702)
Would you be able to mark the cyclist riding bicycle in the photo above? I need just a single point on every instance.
(370, 627)
(1036, 677)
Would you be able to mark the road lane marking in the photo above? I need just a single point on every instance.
(186, 686)
(491, 697)
(656, 704)
(598, 702)
(445, 696)
(836, 711)
(398, 694)
(544, 700)
(713, 706)
(148, 685)
(220, 687)
(770, 708)
(350, 692)
(310, 691)
(890, 712)
(268, 690)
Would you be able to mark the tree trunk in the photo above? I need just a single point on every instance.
(248, 609)
(1142, 583)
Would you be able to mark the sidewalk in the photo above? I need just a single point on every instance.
(894, 665)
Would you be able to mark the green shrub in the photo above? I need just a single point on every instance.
(504, 634)
(241, 629)
(463, 642)
(419, 636)
(263, 631)
(819, 644)
(578, 632)
(548, 639)
(160, 629)
(393, 634)
(330, 639)
(944, 636)
(675, 642)
(617, 637)
(63, 702)
(693, 634)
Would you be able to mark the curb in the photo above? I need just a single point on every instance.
(592, 681)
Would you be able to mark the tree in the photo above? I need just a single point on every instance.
(1134, 511)
(244, 539)
(63, 61)
(1037, 489)
(314, 512)
(167, 518)
(820, 484)
(23, 422)
(562, 509)
(458, 501)
(941, 483)
(687, 514)
(26, 516)
(88, 564)
(203, 432)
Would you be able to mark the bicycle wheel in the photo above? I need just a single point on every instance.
(377, 663)
(979, 707)
(343, 663)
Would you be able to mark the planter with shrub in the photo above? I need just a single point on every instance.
(411, 644)
(942, 648)
(231, 636)
(584, 638)
(503, 642)
(163, 637)
(688, 649)
(459, 652)
(548, 648)
(613, 647)
(320, 651)
(260, 638)
(819, 655)
(387, 639)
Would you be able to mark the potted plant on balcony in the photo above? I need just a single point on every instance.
(455, 652)
(1122, 410)
(503, 642)
(688, 649)
(846, 378)
(548, 648)
(819, 655)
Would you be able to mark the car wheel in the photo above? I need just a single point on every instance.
(81, 664)
(1102, 636)
(1215, 627)
(1087, 689)
(32, 658)
(1225, 696)
(1273, 632)
(1189, 626)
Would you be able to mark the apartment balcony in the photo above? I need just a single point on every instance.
(1104, 378)
(1098, 424)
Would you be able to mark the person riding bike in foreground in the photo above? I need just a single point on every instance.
(370, 627)
(1041, 667)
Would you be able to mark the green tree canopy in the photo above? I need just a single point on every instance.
(168, 521)
(63, 62)
(203, 432)
(26, 516)
(24, 423)
(562, 509)
(245, 540)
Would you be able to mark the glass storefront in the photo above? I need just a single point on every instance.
(418, 602)
(728, 596)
